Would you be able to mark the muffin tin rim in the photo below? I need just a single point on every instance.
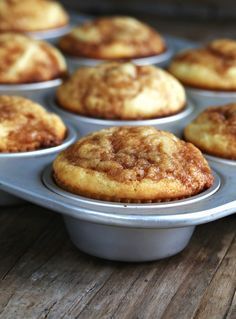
(30, 86)
(71, 136)
(50, 33)
(48, 182)
(210, 93)
(225, 161)
(186, 111)
(147, 60)
(212, 208)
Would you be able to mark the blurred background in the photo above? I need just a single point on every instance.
(195, 19)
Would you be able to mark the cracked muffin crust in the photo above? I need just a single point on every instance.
(212, 67)
(27, 126)
(132, 164)
(24, 60)
(214, 131)
(113, 38)
(31, 15)
(121, 91)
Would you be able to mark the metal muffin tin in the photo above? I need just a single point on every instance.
(8, 199)
(202, 97)
(174, 45)
(33, 91)
(210, 98)
(52, 35)
(160, 60)
(87, 125)
(121, 231)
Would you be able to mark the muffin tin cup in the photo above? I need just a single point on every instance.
(125, 243)
(33, 91)
(7, 199)
(205, 98)
(50, 35)
(130, 244)
(87, 125)
(121, 231)
(160, 60)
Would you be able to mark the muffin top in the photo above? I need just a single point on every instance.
(134, 164)
(24, 60)
(113, 38)
(212, 67)
(31, 15)
(214, 131)
(121, 91)
(27, 126)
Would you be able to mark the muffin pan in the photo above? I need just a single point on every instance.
(33, 91)
(205, 98)
(121, 231)
(53, 35)
(5, 197)
(160, 60)
(86, 124)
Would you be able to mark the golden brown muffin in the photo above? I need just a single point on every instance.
(212, 67)
(122, 91)
(24, 60)
(113, 38)
(31, 15)
(27, 126)
(214, 131)
(132, 164)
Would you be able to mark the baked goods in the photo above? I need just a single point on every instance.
(212, 67)
(113, 38)
(121, 91)
(132, 164)
(27, 126)
(214, 131)
(31, 15)
(24, 60)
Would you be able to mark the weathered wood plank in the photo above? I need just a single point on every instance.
(51, 272)
(169, 283)
(52, 279)
(219, 295)
(232, 310)
(19, 228)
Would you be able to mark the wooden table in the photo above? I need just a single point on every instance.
(44, 276)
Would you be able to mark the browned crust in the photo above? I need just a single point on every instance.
(151, 44)
(121, 91)
(214, 131)
(132, 164)
(31, 16)
(26, 126)
(209, 68)
(24, 60)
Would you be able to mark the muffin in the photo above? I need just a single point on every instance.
(212, 67)
(121, 91)
(113, 38)
(31, 15)
(214, 131)
(132, 164)
(27, 126)
(24, 60)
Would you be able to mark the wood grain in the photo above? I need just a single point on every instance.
(44, 276)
